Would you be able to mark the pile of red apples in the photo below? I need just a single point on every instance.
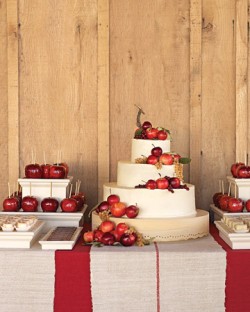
(110, 234)
(229, 203)
(157, 156)
(47, 171)
(164, 183)
(240, 170)
(115, 208)
(148, 132)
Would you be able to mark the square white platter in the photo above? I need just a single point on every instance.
(21, 240)
(233, 239)
(59, 245)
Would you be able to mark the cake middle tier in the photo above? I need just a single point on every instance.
(130, 174)
(155, 203)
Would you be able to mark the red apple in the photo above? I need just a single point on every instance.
(247, 205)
(88, 237)
(151, 185)
(175, 182)
(57, 172)
(177, 157)
(235, 205)
(116, 235)
(107, 226)
(162, 183)
(146, 125)
(166, 159)
(121, 228)
(66, 167)
(49, 204)
(132, 211)
(215, 198)
(118, 209)
(234, 168)
(243, 172)
(108, 239)
(79, 200)
(33, 171)
(152, 133)
(128, 239)
(45, 171)
(103, 206)
(11, 204)
(152, 160)
(98, 235)
(156, 151)
(68, 205)
(223, 202)
(162, 135)
(112, 199)
(29, 204)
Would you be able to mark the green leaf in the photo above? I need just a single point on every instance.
(184, 160)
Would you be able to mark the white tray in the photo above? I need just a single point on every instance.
(243, 187)
(21, 240)
(218, 213)
(54, 219)
(233, 239)
(60, 245)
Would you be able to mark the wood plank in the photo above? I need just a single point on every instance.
(149, 66)
(218, 95)
(195, 94)
(4, 166)
(13, 89)
(103, 95)
(241, 56)
(58, 86)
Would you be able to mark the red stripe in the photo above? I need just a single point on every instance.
(157, 276)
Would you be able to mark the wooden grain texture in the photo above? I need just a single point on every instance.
(58, 86)
(195, 94)
(241, 58)
(103, 95)
(13, 90)
(218, 95)
(4, 172)
(149, 66)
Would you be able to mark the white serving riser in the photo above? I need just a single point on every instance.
(59, 245)
(243, 187)
(54, 219)
(234, 240)
(21, 240)
(40, 188)
(218, 213)
(131, 174)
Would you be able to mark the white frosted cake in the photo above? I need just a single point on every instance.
(165, 214)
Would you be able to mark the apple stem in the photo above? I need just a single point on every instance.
(153, 145)
(9, 188)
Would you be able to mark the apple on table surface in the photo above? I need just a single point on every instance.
(45, 171)
(107, 226)
(243, 172)
(223, 202)
(11, 204)
(234, 168)
(128, 239)
(57, 172)
(235, 205)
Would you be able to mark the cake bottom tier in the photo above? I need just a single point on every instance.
(164, 230)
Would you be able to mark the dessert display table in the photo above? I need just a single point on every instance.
(164, 275)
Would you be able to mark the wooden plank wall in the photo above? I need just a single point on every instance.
(83, 65)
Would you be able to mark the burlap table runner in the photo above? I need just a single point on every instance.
(176, 277)
(27, 279)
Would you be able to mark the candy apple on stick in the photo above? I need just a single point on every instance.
(29, 203)
(69, 204)
(49, 204)
(224, 199)
(235, 204)
(33, 170)
(11, 203)
(45, 168)
(77, 196)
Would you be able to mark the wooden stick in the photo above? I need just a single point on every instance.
(44, 158)
(245, 153)
(71, 186)
(222, 186)
(32, 156)
(9, 188)
(229, 189)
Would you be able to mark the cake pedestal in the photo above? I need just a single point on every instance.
(163, 230)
